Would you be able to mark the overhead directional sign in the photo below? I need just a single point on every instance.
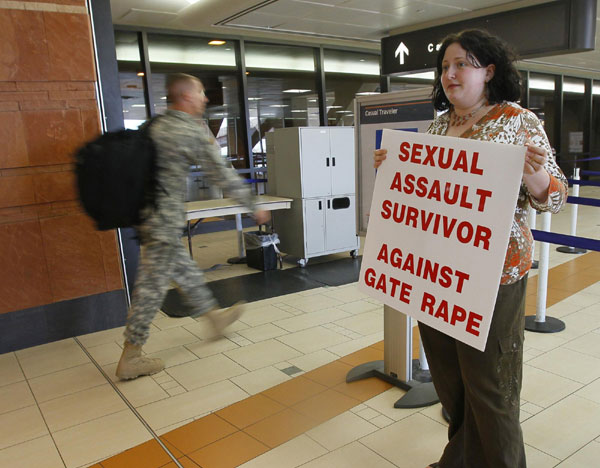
(401, 51)
(558, 27)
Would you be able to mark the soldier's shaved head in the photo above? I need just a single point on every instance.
(186, 93)
(178, 84)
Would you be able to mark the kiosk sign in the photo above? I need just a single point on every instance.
(439, 227)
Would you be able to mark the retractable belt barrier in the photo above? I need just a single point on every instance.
(570, 244)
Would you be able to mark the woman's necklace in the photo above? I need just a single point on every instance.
(458, 120)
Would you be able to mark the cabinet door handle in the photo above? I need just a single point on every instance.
(328, 204)
(327, 163)
(333, 161)
(320, 205)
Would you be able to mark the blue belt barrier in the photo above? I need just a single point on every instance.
(583, 201)
(254, 181)
(590, 172)
(564, 239)
(595, 158)
(595, 183)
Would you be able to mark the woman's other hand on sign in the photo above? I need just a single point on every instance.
(535, 175)
(378, 157)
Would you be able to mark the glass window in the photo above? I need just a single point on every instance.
(412, 81)
(348, 74)
(573, 121)
(130, 77)
(595, 136)
(541, 101)
(281, 91)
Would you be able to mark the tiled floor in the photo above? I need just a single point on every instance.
(272, 394)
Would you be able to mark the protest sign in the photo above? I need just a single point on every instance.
(439, 227)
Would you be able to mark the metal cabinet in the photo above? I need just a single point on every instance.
(315, 167)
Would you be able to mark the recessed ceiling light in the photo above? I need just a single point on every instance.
(361, 60)
(279, 105)
(254, 98)
(299, 110)
(367, 93)
(216, 42)
(296, 91)
(140, 73)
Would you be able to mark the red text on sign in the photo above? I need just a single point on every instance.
(438, 156)
(454, 315)
(388, 285)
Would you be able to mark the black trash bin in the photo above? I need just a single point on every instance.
(261, 250)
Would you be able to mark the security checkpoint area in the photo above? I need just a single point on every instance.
(325, 364)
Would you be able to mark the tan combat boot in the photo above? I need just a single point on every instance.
(132, 364)
(221, 319)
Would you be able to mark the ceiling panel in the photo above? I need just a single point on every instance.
(380, 6)
(328, 28)
(120, 8)
(291, 8)
(259, 19)
(148, 18)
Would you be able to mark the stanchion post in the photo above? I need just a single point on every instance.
(532, 220)
(574, 207)
(397, 366)
(422, 357)
(541, 323)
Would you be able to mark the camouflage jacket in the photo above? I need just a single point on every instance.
(181, 141)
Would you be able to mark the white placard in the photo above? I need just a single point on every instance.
(439, 227)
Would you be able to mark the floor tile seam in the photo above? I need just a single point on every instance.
(379, 454)
(166, 370)
(42, 416)
(205, 445)
(319, 444)
(129, 405)
(229, 435)
(70, 394)
(581, 397)
(56, 371)
(579, 450)
(427, 416)
(564, 345)
(30, 440)
(554, 373)
(81, 423)
(543, 451)
(2, 413)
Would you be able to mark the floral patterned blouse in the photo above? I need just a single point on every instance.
(509, 123)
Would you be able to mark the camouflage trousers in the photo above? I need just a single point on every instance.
(160, 264)
(481, 390)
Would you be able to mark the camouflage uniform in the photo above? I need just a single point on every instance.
(181, 141)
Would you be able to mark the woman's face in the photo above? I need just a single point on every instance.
(463, 83)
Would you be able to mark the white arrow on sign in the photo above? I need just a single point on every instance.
(401, 50)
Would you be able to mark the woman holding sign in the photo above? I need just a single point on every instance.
(478, 84)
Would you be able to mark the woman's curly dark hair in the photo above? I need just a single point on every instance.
(483, 49)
